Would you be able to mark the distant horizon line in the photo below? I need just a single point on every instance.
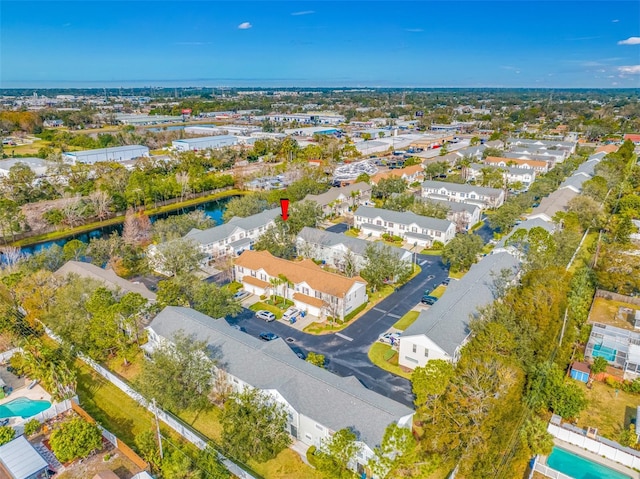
(164, 84)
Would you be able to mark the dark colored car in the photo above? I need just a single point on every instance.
(299, 352)
(428, 300)
(268, 336)
(446, 282)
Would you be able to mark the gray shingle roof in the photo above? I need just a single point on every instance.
(464, 188)
(327, 197)
(447, 322)
(404, 217)
(332, 401)
(106, 276)
(454, 206)
(327, 238)
(212, 235)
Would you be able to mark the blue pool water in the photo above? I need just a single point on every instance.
(580, 468)
(604, 352)
(23, 407)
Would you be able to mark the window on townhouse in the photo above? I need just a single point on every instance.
(240, 269)
(426, 353)
(414, 348)
(379, 222)
(253, 273)
(319, 427)
(414, 229)
(305, 291)
(318, 295)
(263, 277)
(390, 224)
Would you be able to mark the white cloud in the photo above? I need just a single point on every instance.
(304, 12)
(630, 41)
(615, 21)
(414, 30)
(245, 26)
(630, 70)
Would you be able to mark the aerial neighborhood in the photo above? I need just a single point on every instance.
(318, 283)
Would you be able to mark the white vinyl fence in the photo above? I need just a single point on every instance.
(55, 410)
(549, 472)
(600, 446)
(175, 424)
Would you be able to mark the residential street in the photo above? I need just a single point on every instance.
(346, 352)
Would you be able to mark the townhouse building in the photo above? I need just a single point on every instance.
(413, 228)
(337, 201)
(318, 402)
(463, 215)
(510, 174)
(337, 249)
(537, 165)
(480, 196)
(409, 174)
(311, 288)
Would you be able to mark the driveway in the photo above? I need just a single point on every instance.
(346, 352)
(485, 231)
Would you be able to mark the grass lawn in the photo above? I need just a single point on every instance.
(604, 311)
(585, 254)
(609, 412)
(27, 149)
(112, 408)
(286, 465)
(234, 286)
(260, 305)
(206, 422)
(439, 291)
(377, 356)
(407, 320)
(431, 252)
(129, 371)
(352, 232)
(457, 275)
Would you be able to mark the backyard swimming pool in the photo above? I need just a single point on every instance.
(579, 467)
(23, 407)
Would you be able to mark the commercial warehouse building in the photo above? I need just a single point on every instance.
(116, 154)
(195, 144)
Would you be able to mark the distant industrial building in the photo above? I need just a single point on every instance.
(214, 142)
(210, 130)
(37, 165)
(142, 120)
(117, 154)
(311, 131)
(311, 118)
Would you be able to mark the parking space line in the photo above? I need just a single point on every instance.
(344, 337)
(378, 309)
(393, 315)
(423, 262)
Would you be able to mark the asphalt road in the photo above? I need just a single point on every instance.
(346, 352)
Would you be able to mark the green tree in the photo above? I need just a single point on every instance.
(535, 437)
(278, 241)
(301, 214)
(430, 381)
(74, 250)
(31, 427)
(335, 453)
(381, 264)
(599, 365)
(147, 446)
(178, 375)
(316, 359)
(244, 206)
(11, 218)
(387, 186)
(6, 434)
(462, 251)
(396, 455)
(177, 257)
(254, 426)
(209, 461)
(363, 178)
(75, 438)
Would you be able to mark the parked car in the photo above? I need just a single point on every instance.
(428, 300)
(299, 352)
(446, 282)
(266, 336)
(389, 338)
(291, 314)
(241, 294)
(267, 316)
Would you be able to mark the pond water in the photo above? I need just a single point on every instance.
(213, 209)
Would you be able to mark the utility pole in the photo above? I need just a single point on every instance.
(155, 412)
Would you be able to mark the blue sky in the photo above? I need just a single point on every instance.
(359, 43)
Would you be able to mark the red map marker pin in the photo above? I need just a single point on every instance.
(284, 206)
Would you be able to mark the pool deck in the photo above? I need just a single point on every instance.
(20, 389)
(595, 458)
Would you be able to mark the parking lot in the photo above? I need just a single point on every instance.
(346, 351)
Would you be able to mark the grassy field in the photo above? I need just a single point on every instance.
(439, 291)
(287, 465)
(407, 320)
(352, 232)
(608, 411)
(431, 252)
(457, 275)
(377, 356)
(27, 149)
(604, 311)
(585, 255)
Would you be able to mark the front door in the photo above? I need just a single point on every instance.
(294, 431)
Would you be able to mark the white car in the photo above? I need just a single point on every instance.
(265, 315)
(241, 294)
(389, 338)
(291, 314)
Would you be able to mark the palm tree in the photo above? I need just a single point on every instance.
(275, 282)
(284, 281)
